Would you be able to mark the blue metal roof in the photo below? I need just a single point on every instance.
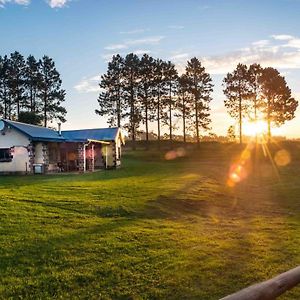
(99, 134)
(36, 133)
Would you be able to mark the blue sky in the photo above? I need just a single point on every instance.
(81, 35)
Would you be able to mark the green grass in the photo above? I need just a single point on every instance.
(154, 229)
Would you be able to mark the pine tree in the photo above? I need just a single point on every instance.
(130, 85)
(159, 92)
(171, 82)
(17, 80)
(200, 87)
(184, 103)
(5, 103)
(231, 133)
(32, 81)
(145, 93)
(277, 104)
(111, 98)
(50, 92)
(237, 91)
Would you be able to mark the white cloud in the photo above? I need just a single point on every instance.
(20, 2)
(58, 3)
(261, 43)
(282, 37)
(89, 85)
(145, 41)
(176, 27)
(116, 47)
(282, 53)
(134, 31)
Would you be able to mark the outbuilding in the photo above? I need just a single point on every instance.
(32, 149)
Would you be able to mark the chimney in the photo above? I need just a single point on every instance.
(59, 129)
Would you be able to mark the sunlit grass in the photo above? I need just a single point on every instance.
(157, 228)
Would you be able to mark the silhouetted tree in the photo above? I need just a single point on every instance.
(277, 104)
(159, 91)
(171, 82)
(237, 91)
(231, 133)
(200, 87)
(184, 103)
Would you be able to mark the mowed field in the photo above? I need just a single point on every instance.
(155, 229)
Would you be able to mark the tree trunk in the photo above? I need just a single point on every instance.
(183, 118)
(197, 124)
(146, 123)
(158, 118)
(118, 109)
(170, 113)
(132, 113)
(269, 120)
(45, 110)
(5, 104)
(240, 119)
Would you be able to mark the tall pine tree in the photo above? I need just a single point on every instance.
(111, 98)
(50, 92)
(237, 92)
(200, 87)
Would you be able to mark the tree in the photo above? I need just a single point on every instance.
(5, 103)
(111, 98)
(254, 73)
(171, 82)
(145, 90)
(200, 87)
(277, 104)
(231, 133)
(50, 92)
(30, 117)
(130, 85)
(32, 81)
(17, 80)
(237, 91)
(184, 103)
(159, 91)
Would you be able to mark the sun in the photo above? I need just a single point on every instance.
(256, 128)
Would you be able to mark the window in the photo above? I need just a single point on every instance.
(5, 155)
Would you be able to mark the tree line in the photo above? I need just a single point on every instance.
(30, 89)
(136, 91)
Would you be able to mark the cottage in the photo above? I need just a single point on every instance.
(29, 149)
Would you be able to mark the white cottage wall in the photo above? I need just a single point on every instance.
(13, 138)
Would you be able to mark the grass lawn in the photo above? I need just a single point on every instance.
(154, 229)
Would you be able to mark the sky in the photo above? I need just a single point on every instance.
(82, 35)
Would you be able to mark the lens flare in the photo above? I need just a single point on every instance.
(173, 154)
(282, 158)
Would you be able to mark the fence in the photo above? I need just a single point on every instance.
(269, 289)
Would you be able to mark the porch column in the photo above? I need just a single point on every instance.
(31, 153)
(45, 151)
(81, 158)
(92, 159)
